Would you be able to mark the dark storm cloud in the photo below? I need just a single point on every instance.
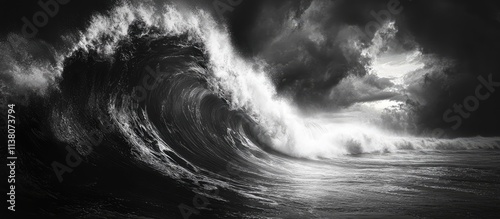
(469, 33)
(303, 42)
(307, 67)
(299, 40)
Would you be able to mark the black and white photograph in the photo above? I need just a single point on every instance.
(254, 109)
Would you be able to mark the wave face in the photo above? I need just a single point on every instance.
(175, 96)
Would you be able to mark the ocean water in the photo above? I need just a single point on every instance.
(171, 122)
(411, 184)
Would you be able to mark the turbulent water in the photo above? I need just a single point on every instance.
(170, 120)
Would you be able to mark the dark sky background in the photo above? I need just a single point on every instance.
(465, 31)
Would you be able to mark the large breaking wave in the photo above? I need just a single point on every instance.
(169, 82)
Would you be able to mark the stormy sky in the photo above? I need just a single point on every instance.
(465, 32)
(304, 43)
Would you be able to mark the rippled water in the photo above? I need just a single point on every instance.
(417, 184)
(211, 132)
